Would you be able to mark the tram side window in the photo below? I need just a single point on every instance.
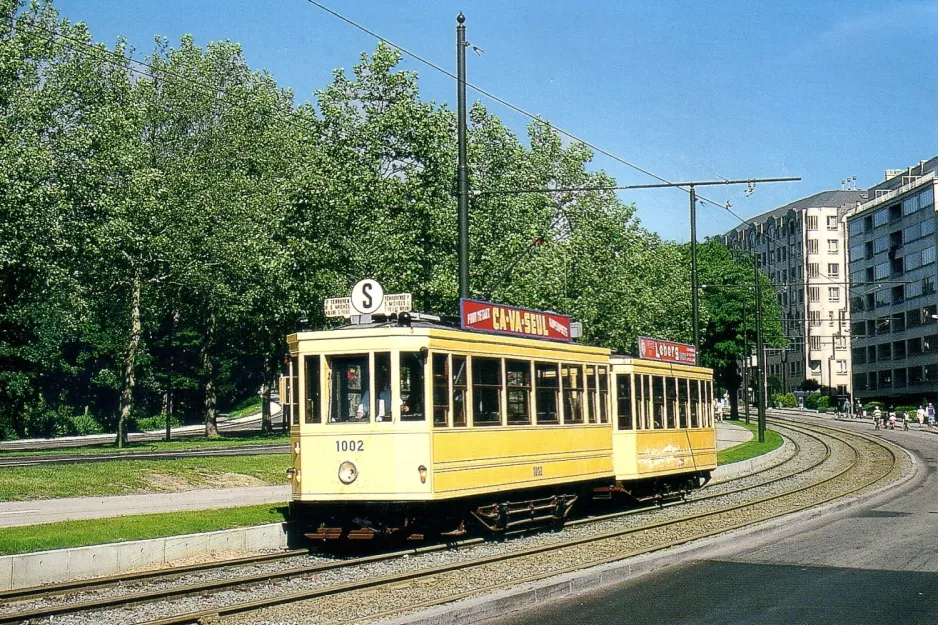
(293, 388)
(312, 390)
(669, 403)
(412, 386)
(603, 395)
(695, 403)
(649, 406)
(640, 407)
(546, 387)
(518, 374)
(460, 391)
(591, 398)
(682, 402)
(486, 391)
(657, 395)
(440, 390)
(349, 399)
(624, 396)
(708, 404)
(572, 376)
(383, 409)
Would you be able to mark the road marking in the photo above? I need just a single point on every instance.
(21, 511)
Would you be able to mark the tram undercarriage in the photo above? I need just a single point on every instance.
(497, 514)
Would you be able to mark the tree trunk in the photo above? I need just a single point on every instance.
(266, 425)
(127, 393)
(169, 405)
(208, 365)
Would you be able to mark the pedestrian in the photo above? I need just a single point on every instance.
(905, 421)
(801, 404)
(859, 412)
(920, 415)
(930, 415)
(892, 418)
(877, 417)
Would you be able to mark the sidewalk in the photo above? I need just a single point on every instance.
(731, 434)
(33, 512)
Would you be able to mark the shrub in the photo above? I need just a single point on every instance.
(785, 400)
(84, 424)
(909, 410)
(822, 409)
(823, 402)
(156, 422)
(872, 406)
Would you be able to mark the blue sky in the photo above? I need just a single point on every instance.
(688, 90)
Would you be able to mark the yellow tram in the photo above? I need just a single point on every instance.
(408, 426)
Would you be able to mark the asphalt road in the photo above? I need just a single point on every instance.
(869, 565)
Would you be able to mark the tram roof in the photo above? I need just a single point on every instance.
(447, 328)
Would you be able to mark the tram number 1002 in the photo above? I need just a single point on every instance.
(538, 471)
(350, 445)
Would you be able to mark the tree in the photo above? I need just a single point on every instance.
(727, 314)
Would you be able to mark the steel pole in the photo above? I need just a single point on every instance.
(760, 351)
(693, 268)
(462, 176)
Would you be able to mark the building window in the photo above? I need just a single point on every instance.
(814, 270)
(832, 222)
(881, 271)
(928, 285)
(833, 270)
(910, 205)
(855, 227)
(832, 246)
(928, 255)
(812, 246)
(928, 227)
(840, 342)
(814, 316)
(926, 198)
(811, 221)
(814, 293)
(841, 366)
(880, 217)
(833, 294)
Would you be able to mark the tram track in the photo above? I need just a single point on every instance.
(328, 587)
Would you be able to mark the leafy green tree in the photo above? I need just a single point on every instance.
(727, 316)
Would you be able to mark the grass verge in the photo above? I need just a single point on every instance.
(773, 440)
(137, 527)
(226, 440)
(123, 477)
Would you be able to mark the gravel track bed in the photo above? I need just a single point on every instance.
(361, 604)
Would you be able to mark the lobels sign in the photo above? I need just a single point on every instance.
(666, 351)
(501, 319)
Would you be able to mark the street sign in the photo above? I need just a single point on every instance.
(368, 298)
(666, 351)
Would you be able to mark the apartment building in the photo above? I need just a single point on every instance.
(893, 274)
(802, 248)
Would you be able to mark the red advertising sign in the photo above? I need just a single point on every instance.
(501, 319)
(666, 351)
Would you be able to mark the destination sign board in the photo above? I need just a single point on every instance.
(501, 319)
(666, 351)
(368, 298)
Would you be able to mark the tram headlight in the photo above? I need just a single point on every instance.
(348, 472)
(422, 470)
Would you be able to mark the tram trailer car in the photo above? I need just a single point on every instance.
(410, 429)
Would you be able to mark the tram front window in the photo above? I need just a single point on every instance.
(412, 386)
(348, 397)
(486, 391)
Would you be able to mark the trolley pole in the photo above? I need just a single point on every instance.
(693, 266)
(760, 351)
(462, 177)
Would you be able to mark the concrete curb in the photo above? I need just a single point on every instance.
(726, 472)
(537, 594)
(27, 570)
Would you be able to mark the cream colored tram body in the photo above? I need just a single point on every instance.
(414, 428)
(664, 440)
(498, 430)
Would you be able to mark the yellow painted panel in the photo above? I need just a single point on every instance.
(479, 445)
(508, 476)
(640, 454)
(387, 464)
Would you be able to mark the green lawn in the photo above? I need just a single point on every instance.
(138, 527)
(753, 448)
(226, 440)
(122, 477)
